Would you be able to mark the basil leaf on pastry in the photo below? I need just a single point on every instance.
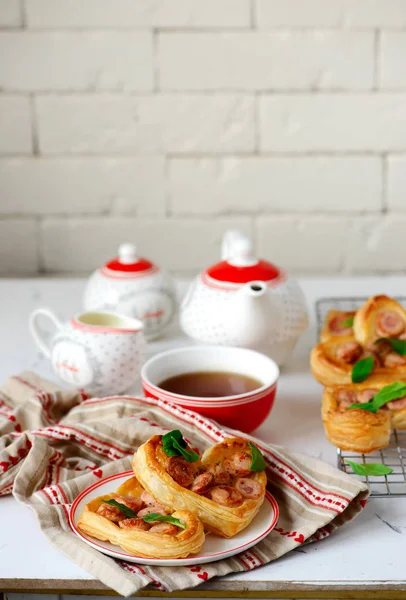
(258, 462)
(399, 346)
(362, 369)
(391, 392)
(121, 507)
(174, 445)
(163, 518)
(347, 323)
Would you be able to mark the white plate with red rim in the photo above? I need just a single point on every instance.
(214, 548)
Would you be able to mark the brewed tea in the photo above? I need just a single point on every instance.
(210, 384)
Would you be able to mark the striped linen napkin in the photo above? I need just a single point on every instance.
(55, 443)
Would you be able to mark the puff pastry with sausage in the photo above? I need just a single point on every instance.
(354, 429)
(221, 489)
(379, 317)
(337, 324)
(152, 540)
(332, 362)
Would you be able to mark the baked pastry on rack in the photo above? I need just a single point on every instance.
(225, 488)
(354, 429)
(178, 535)
(332, 362)
(379, 317)
(337, 324)
(357, 429)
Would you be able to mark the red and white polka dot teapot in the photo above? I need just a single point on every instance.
(135, 287)
(244, 301)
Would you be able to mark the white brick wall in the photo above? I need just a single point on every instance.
(266, 61)
(168, 121)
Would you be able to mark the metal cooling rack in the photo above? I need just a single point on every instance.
(394, 455)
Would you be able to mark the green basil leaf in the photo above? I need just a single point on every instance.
(399, 346)
(348, 322)
(394, 391)
(174, 445)
(364, 406)
(122, 507)
(188, 455)
(167, 442)
(388, 393)
(369, 469)
(164, 518)
(258, 462)
(362, 369)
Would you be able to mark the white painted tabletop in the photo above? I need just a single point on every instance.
(368, 554)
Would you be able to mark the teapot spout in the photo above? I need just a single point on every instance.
(253, 316)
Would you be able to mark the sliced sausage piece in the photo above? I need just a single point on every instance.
(203, 482)
(135, 504)
(180, 470)
(153, 508)
(221, 476)
(349, 352)
(393, 360)
(335, 326)
(112, 513)
(134, 523)
(365, 396)
(346, 397)
(225, 495)
(389, 323)
(165, 528)
(397, 404)
(147, 498)
(249, 488)
(238, 464)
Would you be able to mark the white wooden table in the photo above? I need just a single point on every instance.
(364, 558)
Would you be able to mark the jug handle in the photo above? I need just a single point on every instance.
(32, 324)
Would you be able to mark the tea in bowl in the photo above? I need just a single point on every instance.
(234, 386)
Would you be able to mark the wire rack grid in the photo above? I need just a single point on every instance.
(394, 455)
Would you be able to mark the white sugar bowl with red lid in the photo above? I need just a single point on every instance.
(245, 301)
(135, 287)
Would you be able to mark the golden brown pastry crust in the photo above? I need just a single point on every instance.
(330, 371)
(365, 321)
(398, 418)
(341, 315)
(356, 429)
(223, 520)
(142, 543)
(326, 368)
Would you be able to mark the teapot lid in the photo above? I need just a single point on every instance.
(239, 264)
(127, 261)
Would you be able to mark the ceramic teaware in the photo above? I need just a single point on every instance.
(245, 301)
(244, 412)
(100, 352)
(133, 286)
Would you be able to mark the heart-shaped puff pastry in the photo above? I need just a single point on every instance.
(332, 362)
(336, 325)
(150, 465)
(379, 317)
(355, 429)
(142, 543)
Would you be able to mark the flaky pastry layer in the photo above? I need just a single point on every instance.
(142, 543)
(365, 321)
(356, 429)
(223, 520)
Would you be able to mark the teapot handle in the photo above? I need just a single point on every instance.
(32, 324)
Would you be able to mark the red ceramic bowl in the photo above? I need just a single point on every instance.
(245, 411)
